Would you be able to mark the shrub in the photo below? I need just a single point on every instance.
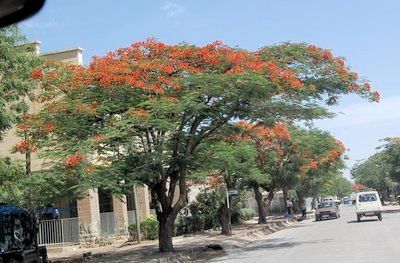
(195, 223)
(133, 232)
(148, 229)
(235, 217)
(247, 213)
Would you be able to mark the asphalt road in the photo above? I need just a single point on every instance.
(335, 240)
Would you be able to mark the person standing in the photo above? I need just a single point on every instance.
(314, 204)
(303, 207)
(289, 206)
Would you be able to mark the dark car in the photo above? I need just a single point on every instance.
(326, 210)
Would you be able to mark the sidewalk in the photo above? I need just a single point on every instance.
(187, 248)
(391, 208)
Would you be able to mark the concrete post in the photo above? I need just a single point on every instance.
(143, 202)
(89, 218)
(121, 214)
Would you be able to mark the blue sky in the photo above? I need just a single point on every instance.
(365, 32)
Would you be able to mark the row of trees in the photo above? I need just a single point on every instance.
(260, 158)
(381, 170)
(166, 115)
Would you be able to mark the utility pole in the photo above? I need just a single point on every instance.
(229, 210)
(137, 215)
(228, 204)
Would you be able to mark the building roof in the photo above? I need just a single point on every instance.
(61, 51)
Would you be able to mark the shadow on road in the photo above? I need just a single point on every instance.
(272, 244)
(362, 221)
(391, 211)
(297, 226)
(277, 243)
(326, 219)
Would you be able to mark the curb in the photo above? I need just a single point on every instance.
(274, 227)
(180, 257)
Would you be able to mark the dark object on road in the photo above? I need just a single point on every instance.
(87, 256)
(214, 247)
(18, 232)
(327, 210)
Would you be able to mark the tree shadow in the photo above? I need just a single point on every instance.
(271, 244)
(297, 226)
(326, 219)
(391, 211)
(363, 221)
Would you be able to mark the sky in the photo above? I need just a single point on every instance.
(365, 32)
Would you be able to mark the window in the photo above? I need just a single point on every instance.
(367, 198)
(326, 204)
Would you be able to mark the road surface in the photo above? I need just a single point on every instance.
(336, 240)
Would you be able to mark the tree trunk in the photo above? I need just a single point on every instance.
(166, 212)
(284, 192)
(165, 233)
(300, 199)
(270, 198)
(224, 218)
(260, 205)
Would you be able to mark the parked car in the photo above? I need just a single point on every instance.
(326, 210)
(368, 204)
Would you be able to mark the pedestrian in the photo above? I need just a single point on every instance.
(303, 208)
(289, 206)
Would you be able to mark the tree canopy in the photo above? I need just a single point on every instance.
(141, 113)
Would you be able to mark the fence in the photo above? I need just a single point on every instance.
(66, 231)
(108, 223)
(132, 216)
(56, 232)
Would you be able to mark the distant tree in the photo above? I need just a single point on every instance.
(376, 172)
(229, 163)
(321, 159)
(391, 157)
(336, 185)
(269, 141)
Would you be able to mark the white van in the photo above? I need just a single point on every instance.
(368, 204)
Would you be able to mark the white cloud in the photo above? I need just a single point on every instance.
(172, 9)
(387, 111)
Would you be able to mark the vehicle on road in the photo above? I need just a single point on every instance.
(346, 200)
(326, 210)
(368, 204)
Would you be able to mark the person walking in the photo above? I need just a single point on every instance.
(303, 208)
(289, 206)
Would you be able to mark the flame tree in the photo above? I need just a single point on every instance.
(140, 113)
